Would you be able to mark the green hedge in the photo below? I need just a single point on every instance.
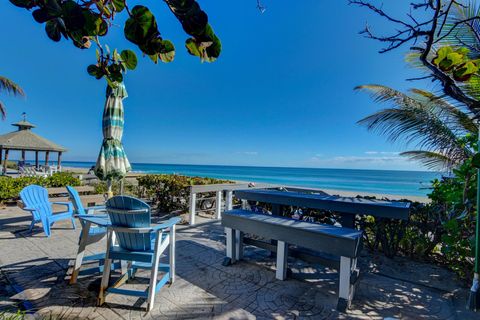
(169, 192)
(11, 187)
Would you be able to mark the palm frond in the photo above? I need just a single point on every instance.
(431, 160)
(452, 115)
(3, 110)
(380, 93)
(10, 87)
(420, 121)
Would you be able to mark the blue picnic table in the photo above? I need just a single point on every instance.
(346, 207)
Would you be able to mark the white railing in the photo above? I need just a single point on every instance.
(220, 190)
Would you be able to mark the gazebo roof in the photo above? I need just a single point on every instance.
(25, 139)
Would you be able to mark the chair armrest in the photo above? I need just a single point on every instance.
(28, 209)
(98, 219)
(97, 208)
(63, 203)
(157, 227)
(168, 224)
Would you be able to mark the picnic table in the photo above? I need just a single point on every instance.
(331, 246)
(346, 207)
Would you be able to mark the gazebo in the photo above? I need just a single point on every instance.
(25, 140)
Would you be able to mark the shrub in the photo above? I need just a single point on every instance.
(10, 187)
(170, 192)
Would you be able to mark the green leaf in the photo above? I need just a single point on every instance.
(54, 29)
(95, 71)
(119, 5)
(53, 8)
(73, 15)
(27, 4)
(129, 58)
(141, 25)
(465, 71)
(41, 15)
(193, 48)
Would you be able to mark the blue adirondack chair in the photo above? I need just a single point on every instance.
(90, 234)
(35, 200)
(141, 244)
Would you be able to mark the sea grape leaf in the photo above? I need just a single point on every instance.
(140, 26)
(95, 71)
(73, 15)
(129, 58)
(54, 29)
(27, 4)
(119, 5)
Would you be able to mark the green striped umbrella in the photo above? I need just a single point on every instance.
(112, 162)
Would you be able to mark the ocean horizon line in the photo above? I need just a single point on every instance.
(254, 166)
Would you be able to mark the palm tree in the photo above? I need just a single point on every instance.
(9, 87)
(434, 125)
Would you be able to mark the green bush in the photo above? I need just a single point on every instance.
(169, 192)
(11, 187)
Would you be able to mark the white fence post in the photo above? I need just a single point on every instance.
(192, 207)
(218, 205)
(229, 200)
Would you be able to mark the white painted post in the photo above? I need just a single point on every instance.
(344, 283)
(218, 205)
(192, 207)
(229, 200)
(244, 204)
(238, 245)
(230, 245)
(172, 254)
(282, 256)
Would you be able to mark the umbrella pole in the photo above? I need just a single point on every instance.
(121, 186)
(474, 297)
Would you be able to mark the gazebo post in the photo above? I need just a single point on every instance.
(5, 163)
(59, 161)
(23, 156)
(47, 153)
(36, 160)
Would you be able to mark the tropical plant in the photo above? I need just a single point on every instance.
(170, 192)
(84, 22)
(10, 87)
(431, 27)
(434, 125)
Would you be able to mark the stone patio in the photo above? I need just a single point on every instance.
(34, 273)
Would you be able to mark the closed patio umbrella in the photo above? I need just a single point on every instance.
(112, 162)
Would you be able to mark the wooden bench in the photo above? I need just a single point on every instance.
(63, 191)
(338, 241)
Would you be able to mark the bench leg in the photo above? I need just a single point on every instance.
(346, 288)
(282, 256)
(230, 247)
(238, 245)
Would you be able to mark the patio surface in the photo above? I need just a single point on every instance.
(34, 272)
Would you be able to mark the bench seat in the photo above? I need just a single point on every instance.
(337, 241)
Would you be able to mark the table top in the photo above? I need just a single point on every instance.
(102, 220)
(377, 208)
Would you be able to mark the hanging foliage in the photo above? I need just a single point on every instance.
(85, 22)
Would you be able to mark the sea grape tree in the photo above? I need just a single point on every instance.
(84, 22)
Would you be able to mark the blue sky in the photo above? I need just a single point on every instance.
(281, 93)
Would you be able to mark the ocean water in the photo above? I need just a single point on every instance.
(407, 183)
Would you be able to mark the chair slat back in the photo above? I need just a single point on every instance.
(36, 197)
(75, 198)
(131, 212)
